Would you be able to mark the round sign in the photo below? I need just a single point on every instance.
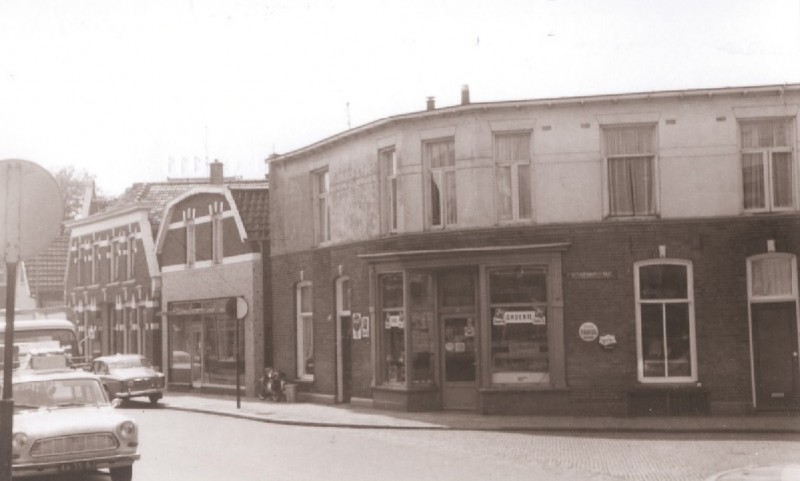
(31, 209)
(588, 331)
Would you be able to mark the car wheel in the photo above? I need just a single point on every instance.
(154, 398)
(124, 473)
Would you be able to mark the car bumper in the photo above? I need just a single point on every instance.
(138, 393)
(50, 467)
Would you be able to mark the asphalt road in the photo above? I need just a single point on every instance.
(198, 447)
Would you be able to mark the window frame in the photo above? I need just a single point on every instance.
(300, 330)
(441, 173)
(767, 159)
(321, 182)
(514, 165)
(389, 189)
(655, 209)
(692, 323)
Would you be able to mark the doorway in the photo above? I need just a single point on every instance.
(344, 330)
(458, 336)
(775, 355)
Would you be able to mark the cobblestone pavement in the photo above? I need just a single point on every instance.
(615, 457)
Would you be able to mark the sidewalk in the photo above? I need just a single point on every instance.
(342, 415)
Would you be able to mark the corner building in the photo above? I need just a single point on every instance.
(608, 255)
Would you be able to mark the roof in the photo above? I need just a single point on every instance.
(46, 271)
(253, 206)
(32, 375)
(545, 102)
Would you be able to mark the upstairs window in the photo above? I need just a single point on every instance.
(767, 165)
(513, 164)
(387, 159)
(113, 255)
(440, 159)
(322, 213)
(131, 257)
(216, 238)
(665, 321)
(94, 262)
(630, 153)
(191, 256)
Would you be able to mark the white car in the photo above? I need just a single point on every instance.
(64, 423)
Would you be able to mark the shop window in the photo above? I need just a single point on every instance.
(665, 321)
(512, 161)
(518, 305)
(394, 326)
(631, 167)
(767, 165)
(422, 305)
(387, 168)
(305, 331)
(440, 160)
(322, 214)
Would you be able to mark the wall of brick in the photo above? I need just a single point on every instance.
(597, 379)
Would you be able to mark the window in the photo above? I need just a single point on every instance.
(512, 160)
(631, 166)
(665, 321)
(190, 243)
(95, 261)
(440, 159)
(78, 264)
(518, 305)
(322, 212)
(394, 328)
(767, 165)
(113, 267)
(216, 238)
(131, 247)
(388, 182)
(305, 331)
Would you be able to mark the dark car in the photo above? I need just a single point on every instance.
(126, 376)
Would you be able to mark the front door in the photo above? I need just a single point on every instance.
(459, 366)
(775, 355)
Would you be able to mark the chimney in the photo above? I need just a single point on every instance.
(465, 94)
(431, 103)
(215, 172)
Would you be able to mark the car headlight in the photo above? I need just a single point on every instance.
(18, 441)
(127, 430)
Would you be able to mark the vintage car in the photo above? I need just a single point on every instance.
(64, 423)
(126, 376)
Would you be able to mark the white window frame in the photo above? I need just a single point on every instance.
(514, 165)
(440, 173)
(654, 161)
(692, 337)
(767, 160)
(322, 210)
(389, 189)
(301, 317)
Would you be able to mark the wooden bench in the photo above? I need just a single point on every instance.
(667, 400)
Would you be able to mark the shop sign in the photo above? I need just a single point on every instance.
(536, 317)
(394, 320)
(608, 341)
(588, 331)
(592, 275)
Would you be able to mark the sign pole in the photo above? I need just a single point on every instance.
(7, 403)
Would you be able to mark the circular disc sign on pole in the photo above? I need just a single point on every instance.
(31, 209)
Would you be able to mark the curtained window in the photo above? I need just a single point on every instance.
(440, 159)
(767, 165)
(512, 160)
(630, 159)
(305, 332)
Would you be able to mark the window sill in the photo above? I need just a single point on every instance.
(667, 386)
(632, 218)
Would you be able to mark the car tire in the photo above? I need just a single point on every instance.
(154, 398)
(125, 473)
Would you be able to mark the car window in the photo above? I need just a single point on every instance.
(128, 362)
(57, 393)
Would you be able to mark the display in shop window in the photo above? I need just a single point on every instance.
(356, 325)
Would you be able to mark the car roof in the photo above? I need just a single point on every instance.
(34, 324)
(115, 357)
(29, 375)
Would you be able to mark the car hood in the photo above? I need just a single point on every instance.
(134, 373)
(54, 422)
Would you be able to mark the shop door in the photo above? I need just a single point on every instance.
(775, 355)
(344, 375)
(196, 354)
(459, 389)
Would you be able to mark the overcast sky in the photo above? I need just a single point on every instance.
(118, 88)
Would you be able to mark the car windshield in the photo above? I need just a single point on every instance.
(128, 362)
(57, 393)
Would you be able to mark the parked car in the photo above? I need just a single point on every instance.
(126, 376)
(64, 423)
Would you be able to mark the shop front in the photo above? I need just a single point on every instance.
(202, 344)
(455, 327)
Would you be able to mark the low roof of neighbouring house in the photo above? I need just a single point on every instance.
(45, 271)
